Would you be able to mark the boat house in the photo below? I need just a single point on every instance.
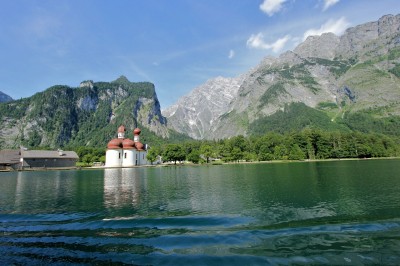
(26, 159)
(48, 159)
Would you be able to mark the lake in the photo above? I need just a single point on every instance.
(336, 212)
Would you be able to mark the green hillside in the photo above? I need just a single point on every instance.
(85, 116)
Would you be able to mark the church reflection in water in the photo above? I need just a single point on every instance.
(121, 187)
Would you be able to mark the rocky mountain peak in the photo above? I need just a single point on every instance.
(196, 112)
(121, 80)
(370, 36)
(388, 25)
(86, 84)
(322, 46)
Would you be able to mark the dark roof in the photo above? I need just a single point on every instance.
(9, 156)
(49, 154)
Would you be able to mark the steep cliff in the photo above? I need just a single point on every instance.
(197, 113)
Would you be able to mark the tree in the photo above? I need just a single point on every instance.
(296, 153)
(207, 151)
(280, 152)
(194, 156)
(87, 158)
(237, 154)
(174, 153)
(152, 154)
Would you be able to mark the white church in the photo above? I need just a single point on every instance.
(122, 152)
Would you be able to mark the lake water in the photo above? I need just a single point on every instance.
(342, 212)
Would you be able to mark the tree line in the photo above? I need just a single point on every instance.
(306, 144)
(303, 145)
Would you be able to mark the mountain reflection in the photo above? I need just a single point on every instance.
(49, 190)
(121, 187)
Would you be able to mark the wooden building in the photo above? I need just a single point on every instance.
(10, 159)
(26, 159)
(48, 159)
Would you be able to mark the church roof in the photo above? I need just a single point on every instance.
(128, 144)
(114, 144)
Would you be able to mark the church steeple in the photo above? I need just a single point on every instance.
(121, 132)
(136, 134)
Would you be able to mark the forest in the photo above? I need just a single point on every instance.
(308, 144)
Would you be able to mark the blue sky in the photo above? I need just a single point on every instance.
(176, 44)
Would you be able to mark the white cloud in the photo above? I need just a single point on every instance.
(329, 3)
(335, 26)
(257, 41)
(231, 54)
(271, 6)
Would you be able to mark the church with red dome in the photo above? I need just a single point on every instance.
(124, 152)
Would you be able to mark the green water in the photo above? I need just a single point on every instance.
(343, 212)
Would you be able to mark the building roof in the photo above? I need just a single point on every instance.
(49, 154)
(9, 156)
(128, 144)
(115, 144)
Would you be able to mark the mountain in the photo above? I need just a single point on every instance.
(334, 78)
(197, 113)
(5, 98)
(88, 115)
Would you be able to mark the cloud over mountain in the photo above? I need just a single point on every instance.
(335, 26)
(271, 7)
(257, 41)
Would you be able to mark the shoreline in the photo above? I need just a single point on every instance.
(217, 163)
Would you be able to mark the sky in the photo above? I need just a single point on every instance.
(175, 44)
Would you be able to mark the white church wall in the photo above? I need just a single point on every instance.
(128, 158)
(114, 158)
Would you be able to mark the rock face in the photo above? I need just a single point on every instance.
(87, 115)
(323, 46)
(196, 113)
(4, 98)
(357, 71)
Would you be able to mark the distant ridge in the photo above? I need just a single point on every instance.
(4, 97)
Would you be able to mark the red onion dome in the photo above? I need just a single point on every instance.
(139, 146)
(115, 144)
(128, 144)
(121, 129)
(136, 131)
